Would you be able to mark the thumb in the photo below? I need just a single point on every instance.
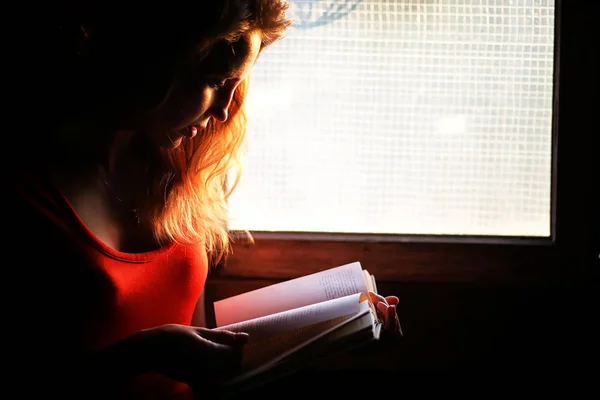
(377, 298)
(223, 336)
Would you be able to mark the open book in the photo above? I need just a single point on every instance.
(301, 320)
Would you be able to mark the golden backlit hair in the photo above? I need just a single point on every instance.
(192, 204)
(113, 63)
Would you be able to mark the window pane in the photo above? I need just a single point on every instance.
(405, 116)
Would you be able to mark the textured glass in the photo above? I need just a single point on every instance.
(418, 117)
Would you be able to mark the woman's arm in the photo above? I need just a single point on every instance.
(112, 364)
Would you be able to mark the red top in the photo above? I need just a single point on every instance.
(86, 295)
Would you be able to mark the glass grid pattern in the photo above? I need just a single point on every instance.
(403, 117)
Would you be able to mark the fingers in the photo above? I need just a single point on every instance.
(389, 300)
(221, 349)
(386, 306)
(391, 318)
(392, 300)
(376, 298)
(387, 314)
(391, 323)
(224, 337)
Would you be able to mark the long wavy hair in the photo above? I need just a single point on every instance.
(124, 62)
(196, 206)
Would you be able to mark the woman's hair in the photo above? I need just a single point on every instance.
(123, 61)
(196, 207)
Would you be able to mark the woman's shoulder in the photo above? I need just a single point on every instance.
(33, 190)
(37, 204)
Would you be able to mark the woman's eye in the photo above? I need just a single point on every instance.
(217, 84)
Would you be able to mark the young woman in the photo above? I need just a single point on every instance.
(120, 207)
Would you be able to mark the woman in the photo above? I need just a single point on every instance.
(121, 207)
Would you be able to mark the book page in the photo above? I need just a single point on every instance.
(370, 281)
(268, 326)
(310, 289)
(264, 362)
(258, 352)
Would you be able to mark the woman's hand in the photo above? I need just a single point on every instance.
(386, 306)
(189, 354)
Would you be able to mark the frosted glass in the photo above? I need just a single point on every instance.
(419, 117)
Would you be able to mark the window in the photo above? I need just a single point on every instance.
(420, 134)
(401, 117)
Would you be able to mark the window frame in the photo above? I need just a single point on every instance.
(568, 255)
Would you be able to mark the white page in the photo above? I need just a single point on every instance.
(274, 324)
(314, 288)
(363, 309)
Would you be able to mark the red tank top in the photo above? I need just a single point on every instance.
(90, 295)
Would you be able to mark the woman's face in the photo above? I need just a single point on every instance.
(203, 92)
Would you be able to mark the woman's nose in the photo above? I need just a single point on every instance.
(219, 113)
(220, 109)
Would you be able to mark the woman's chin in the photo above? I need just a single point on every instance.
(171, 144)
(170, 141)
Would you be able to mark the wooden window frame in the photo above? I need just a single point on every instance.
(569, 255)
